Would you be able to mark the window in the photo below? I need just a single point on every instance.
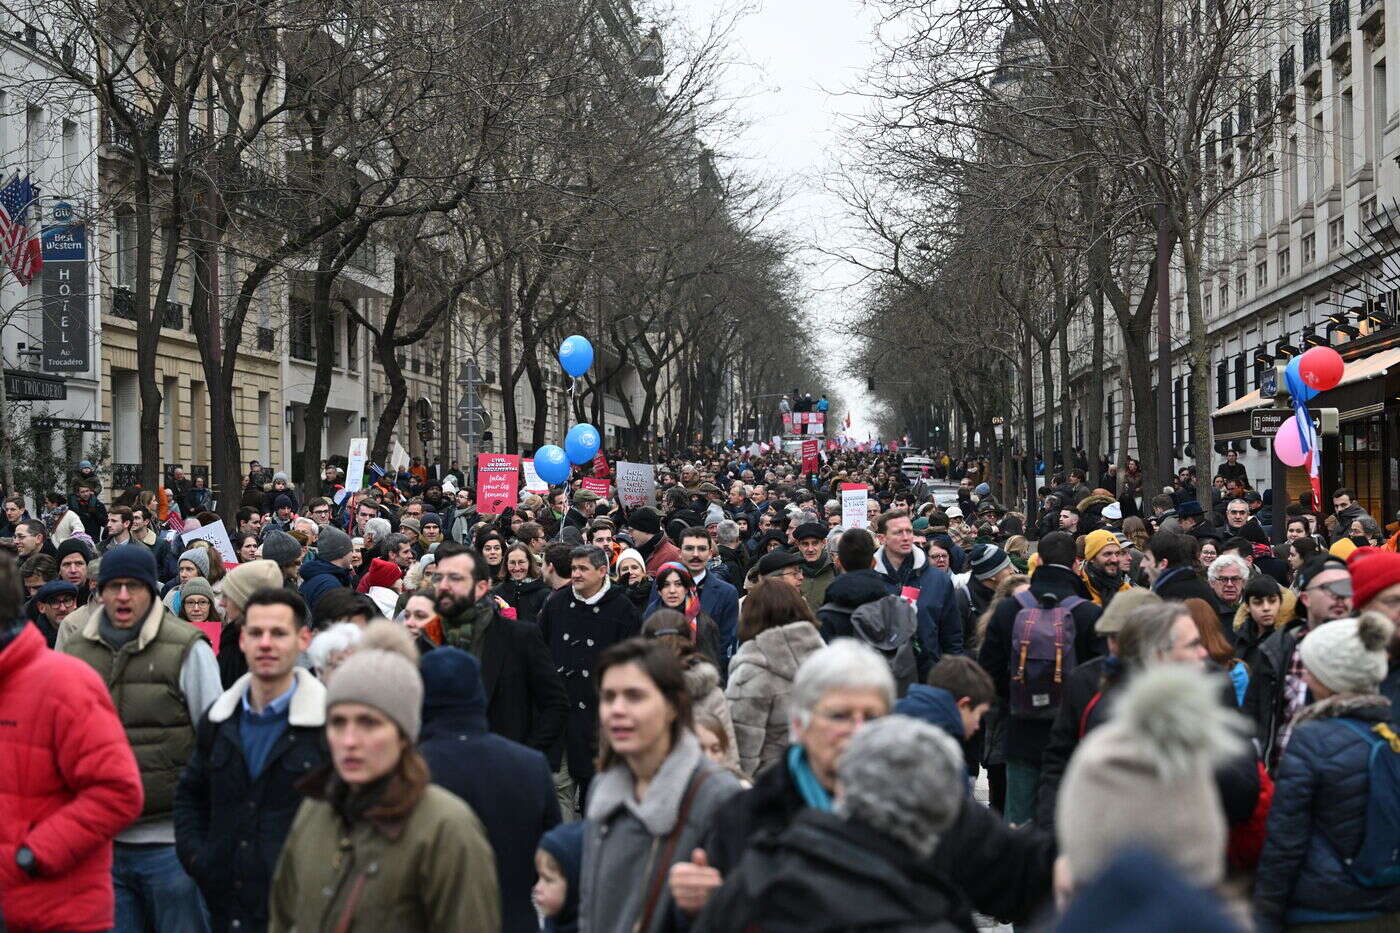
(1261, 275)
(71, 157)
(1241, 287)
(1290, 177)
(1239, 375)
(1377, 114)
(352, 341)
(263, 298)
(1285, 263)
(1309, 249)
(301, 340)
(1346, 130)
(1336, 234)
(1222, 384)
(1206, 305)
(1224, 295)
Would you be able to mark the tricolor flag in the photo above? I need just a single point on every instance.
(19, 244)
(1307, 439)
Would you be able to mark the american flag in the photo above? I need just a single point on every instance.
(19, 244)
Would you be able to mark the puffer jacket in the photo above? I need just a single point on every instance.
(1318, 818)
(1248, 637)
(1265, 698)
(319, 577)
(760, 682)
(702, 683)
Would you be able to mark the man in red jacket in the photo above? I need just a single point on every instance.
(68, 780)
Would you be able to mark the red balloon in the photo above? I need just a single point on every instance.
(1321, 368)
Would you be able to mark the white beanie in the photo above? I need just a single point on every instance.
(1349, 655)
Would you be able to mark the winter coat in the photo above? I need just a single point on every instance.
(702, 683)
(720, 601)
(827, 873)
(1318, 817)
(1247, 636)
(507, 785)
(1004, 872)
(663, 551)
(429, 871)
(816, 580)
(526, 597)
(1081, 686)
(1026, 738)
(93, 515)
(1183, 583)
(734, 562)
(1265, 699)
(845, 595)
(625, 836)
(940, 628)
(319, 577)
(576, 633)
(68, 784)
(760, 682)
(229, 826)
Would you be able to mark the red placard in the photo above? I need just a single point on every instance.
(600, 486)
(212, 630)
(811, 456)
(497, 482)
(600, 466)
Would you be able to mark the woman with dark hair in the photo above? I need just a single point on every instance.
(777, 632)
(492, 546)
(702, 679)
(655, 795)
(522, 588)
(245, 545)
(375, 842)
(1300, 551)
(676, 590)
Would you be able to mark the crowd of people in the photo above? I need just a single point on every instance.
(740, 708)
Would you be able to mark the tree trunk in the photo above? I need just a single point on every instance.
(1047, 382)
(504, 345)
(394, 404)
(314, 415)
(539, 391)
(1093, 401)
(1198, 361)
(1028, 410)
(1066, 422)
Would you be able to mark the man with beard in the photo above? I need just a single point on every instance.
(525, 699)
(817, 569)
(1103, 567)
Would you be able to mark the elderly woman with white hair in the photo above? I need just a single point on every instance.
(836, 691)
(868, 861)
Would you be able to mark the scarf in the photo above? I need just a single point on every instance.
(1105, 585)
(813, 794)
(468, 631)
(691, 606)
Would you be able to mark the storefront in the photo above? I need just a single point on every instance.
(1368, 409)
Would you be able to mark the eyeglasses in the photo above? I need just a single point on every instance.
(846, 717)
(1230, 580)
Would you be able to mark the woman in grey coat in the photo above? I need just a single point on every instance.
(655, 794)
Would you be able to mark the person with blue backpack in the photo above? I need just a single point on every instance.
(1331, 859)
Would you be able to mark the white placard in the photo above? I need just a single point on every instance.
(355, 467)
(399, 459)
(853, 505)
(636, 484)
(533, 483)
(217, 536)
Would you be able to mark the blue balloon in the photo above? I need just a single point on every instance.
(552, 464)
(1293, 381)
(581, 443)
(575, 355)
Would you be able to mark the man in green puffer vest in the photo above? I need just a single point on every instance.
(162, 675)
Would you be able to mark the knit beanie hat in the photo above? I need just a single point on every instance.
(128, 562)
(1349, 655)
(379, 527)
(198, 586)
(430, 518)
(199, 556)
(1146, 778)
(332, 544)
(1096, 541)
(988, 560)
(1369, 575)
(382, 673)
(410, 526)
(246, 579)
(75, 545)
(281, 548)
(645, 520)
(631, 553)
(381, 573)
(1342, 548)
(283, 501)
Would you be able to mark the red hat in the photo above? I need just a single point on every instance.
(383, 573)
(1371, 573)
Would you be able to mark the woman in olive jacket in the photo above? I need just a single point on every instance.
(376, 846)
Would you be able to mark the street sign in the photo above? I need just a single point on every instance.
(472, 423)
(69, 424)
(1264, 422)
(25, 386)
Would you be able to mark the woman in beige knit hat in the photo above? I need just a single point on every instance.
(377, 846)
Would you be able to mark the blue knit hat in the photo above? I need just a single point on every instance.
(128, 562)
(565, 843)
(54, 589)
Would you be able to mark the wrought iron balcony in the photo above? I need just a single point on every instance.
(1338, 20)
(1264, 96)
(123, 303)
(1312, 44)
(173, 315)
(265, 339)
(1246, 117)
(1286, 73)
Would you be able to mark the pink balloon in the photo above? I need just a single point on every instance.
(1288, 446)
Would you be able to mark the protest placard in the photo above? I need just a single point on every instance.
(636, 484)
(217, 536)
(355, 466)
(497, 482)
(853, 505)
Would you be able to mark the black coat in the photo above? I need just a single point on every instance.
(1026, 738)
(508, 786)
(229, 828)
(1004, 872)
(825, 873)
(847, 593)
(1318, 817)
(1264, 698)
(1186, 583)
(525, 596)
(525, 699)
(576, 634)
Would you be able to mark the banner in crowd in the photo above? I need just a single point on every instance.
(804, 422)
(777, 442)
(636, 484)
(398, 460)
(355, 465)
(497, 482)
(811, 456)
(600, 466)
(601, 486)
(217, 536)
(854, 497)
(533, 483)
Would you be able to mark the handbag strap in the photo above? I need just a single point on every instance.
(662, 868)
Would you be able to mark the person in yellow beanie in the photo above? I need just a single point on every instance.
(1102, 571)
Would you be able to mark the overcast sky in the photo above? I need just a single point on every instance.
(795, 58)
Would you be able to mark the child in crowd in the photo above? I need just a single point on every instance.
(559, 862)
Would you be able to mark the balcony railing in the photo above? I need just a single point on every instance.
(173, 316)
(1264, 96)
(1227, 134)
(265, 339)
(123, 303)
(1338, 20)
(1245, 115)
(1286, 73)
(1312, 44)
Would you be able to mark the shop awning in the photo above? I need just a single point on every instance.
(1362, 389)
(1360, 370)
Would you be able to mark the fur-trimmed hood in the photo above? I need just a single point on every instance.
(1287, 611)
(1371, 707)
